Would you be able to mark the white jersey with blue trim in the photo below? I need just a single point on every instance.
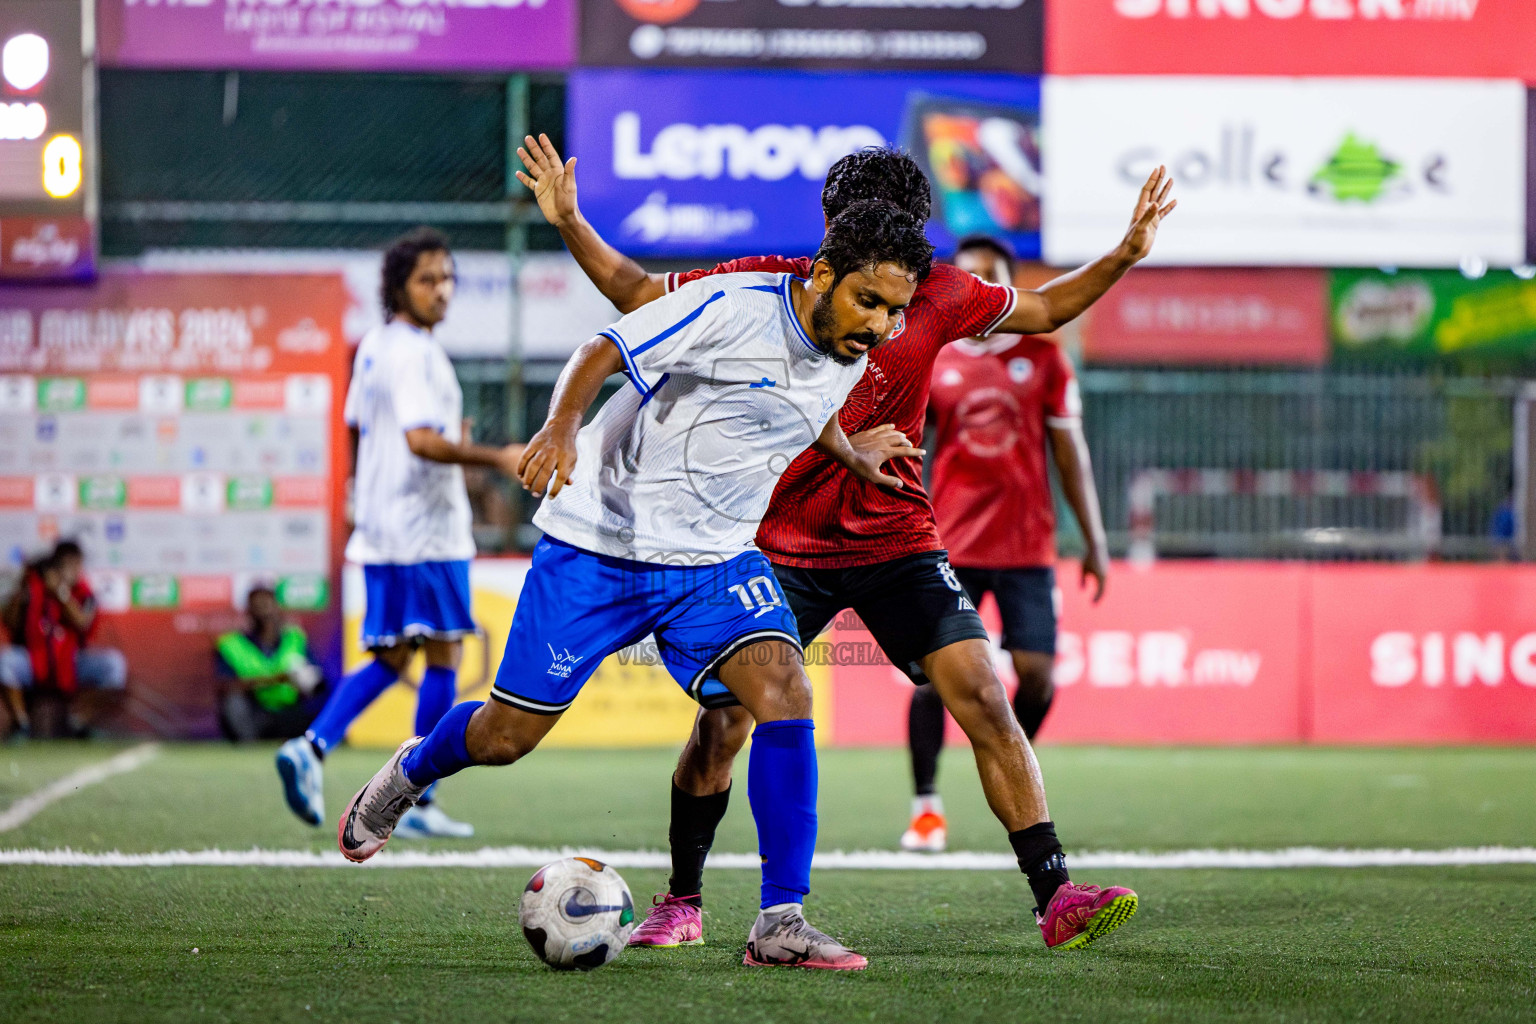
(728, 389)
(407, 509)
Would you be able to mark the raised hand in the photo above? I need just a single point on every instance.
(553, 183)
(1152, 206)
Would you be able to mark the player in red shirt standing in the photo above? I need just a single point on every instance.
(995, 403)
(837, 542)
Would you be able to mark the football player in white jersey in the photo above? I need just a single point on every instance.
(650, 521)
(411, 530)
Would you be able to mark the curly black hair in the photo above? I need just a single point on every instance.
(877, 173)
(874, 231)
(400, 261)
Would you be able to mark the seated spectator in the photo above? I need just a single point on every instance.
(51, 620)
(266, 675)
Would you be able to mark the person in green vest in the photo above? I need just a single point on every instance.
(265, 674)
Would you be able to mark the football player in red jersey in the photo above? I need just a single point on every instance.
(995, 404)
(837, 542)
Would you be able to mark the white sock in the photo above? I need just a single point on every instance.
(783, 908)
(930, 804)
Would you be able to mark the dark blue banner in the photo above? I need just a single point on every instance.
(712, 164)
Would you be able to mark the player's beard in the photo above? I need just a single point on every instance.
(824, 328)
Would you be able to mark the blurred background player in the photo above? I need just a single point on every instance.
(52, 665)
(994, 404)
(268, 686)
(411, 529)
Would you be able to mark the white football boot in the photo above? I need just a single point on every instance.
(303, 780)
(780, 937)
(371, 817)
(429, 821)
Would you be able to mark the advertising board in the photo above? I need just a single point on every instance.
(1319, 172)
(694, 164)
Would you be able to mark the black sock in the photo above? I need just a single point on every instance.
(1031, 711)
(925, 737)
(694, 820)
(315, 747)
(1041, 859)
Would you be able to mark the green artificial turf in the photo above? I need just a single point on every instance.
(442, 944)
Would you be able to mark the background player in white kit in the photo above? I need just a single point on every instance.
(411, 516)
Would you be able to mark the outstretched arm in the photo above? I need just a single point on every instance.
(1047, 308)
(622, 281)
(550, 457)
(865, 452)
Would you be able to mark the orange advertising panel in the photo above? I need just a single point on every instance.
(185, 429)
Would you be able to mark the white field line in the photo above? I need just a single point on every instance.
(868, 860)
(25, 809)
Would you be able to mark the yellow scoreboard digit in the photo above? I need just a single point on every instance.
(47, 184)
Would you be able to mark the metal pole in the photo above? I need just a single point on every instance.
(517, 244)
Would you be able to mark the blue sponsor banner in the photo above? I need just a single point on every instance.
(716, 164)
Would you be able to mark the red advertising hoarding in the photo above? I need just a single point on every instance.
(1424, 654)
(1211, 316)
(1259, 652)
(1441, 38)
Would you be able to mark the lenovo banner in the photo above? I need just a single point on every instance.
(1187, 315)
(695, 164)
(958, 35)
(1331, 172)
(1446, 38)
(339, 35)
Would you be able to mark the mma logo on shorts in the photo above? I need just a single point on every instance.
(947, 572)
(564, 662)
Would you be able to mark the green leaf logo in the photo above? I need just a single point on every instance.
(1356, 171)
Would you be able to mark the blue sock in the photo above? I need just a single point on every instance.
(439, 685)
(435, 697)
(355, 693)
(443, 752)
(781, 785)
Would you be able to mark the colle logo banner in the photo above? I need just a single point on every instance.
(1320, 172)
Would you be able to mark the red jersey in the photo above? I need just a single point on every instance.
(822, 516)
(50, 641)
(991, 404)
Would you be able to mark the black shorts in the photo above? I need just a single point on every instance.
(912, 606)
(1029, 602)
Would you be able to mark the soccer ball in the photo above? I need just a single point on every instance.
(576, 914)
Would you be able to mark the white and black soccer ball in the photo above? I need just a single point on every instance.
(576, 913)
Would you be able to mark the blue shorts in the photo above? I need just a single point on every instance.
(407, 602)
(577, 607)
